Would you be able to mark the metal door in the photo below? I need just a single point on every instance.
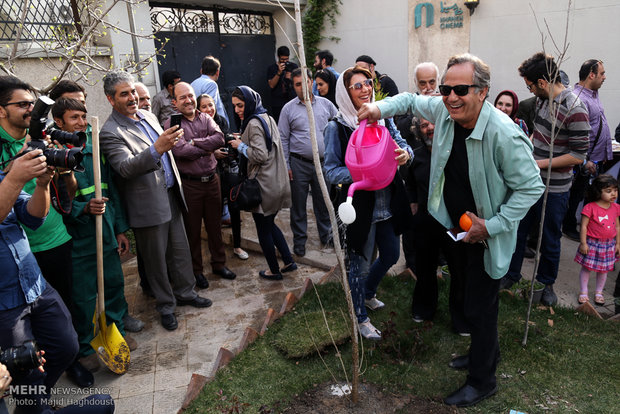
(243, 41)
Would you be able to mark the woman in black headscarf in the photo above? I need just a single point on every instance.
(260, 145)
(326, 85)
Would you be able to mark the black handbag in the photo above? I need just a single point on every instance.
(245, 195)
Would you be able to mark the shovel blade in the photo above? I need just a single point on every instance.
(111, 347)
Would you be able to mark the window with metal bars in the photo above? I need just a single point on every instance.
(44, 19)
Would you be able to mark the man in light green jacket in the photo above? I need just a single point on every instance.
(481, 166)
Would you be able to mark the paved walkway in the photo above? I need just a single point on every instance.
(164, 362)
(162, 365)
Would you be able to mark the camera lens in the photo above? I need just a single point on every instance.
(64, 158)
(76, 139)
(21, 358)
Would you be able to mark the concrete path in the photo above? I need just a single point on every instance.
(163, 364)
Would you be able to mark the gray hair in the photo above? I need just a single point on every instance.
(113, 78)
(430, 65)
(482, 72)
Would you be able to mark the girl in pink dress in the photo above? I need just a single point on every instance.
(600, 236)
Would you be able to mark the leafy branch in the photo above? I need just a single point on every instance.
(313, 24)
(75, 48)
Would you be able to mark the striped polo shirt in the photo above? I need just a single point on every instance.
(572, 135)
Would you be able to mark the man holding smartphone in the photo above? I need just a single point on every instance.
(201, 185)
(139, 152)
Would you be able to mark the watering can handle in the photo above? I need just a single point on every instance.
(357, 142)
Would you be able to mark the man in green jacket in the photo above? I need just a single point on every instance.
(482, 166)
(70, 116)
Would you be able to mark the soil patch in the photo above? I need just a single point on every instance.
(322, 399)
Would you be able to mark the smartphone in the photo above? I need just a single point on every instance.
(175, 119)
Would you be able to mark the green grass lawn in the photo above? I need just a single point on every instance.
(572, 366)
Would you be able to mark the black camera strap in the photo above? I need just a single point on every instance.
(59, 196)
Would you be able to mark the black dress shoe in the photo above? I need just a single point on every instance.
(289, 267)
(459, 363)
(225, 273)
(201, 281)
(80, 375)
(462, 362)
(299, 251)
(467, 396)
(169, 321)
(197, 302)
(264, 275)
(417, 318)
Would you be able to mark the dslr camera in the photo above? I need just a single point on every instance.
(41, 127)
(232, 153)
(288, 66)
(227, 139)
(20, 360)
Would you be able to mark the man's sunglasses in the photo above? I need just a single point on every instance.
(459, 90)
(359, 85)
(20, 104)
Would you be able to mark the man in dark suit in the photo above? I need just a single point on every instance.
(139, 151)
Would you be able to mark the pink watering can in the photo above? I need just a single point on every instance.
(370, 159)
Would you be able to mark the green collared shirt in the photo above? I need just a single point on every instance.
(504, 177)
(52, 232)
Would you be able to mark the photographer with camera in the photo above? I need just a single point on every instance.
(201, 184)
(280, 81)
(30, 308)
(50, 243)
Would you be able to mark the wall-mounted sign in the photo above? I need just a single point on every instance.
(451, 17)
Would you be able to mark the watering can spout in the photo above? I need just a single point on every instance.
(358, 185)
(346, 211)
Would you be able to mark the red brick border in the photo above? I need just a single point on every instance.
(224, 356)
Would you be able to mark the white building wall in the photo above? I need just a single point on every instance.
(504, 33)
(377, 29)
(122, 45)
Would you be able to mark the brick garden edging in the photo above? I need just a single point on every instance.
(224, 356)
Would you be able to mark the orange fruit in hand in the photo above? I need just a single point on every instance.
(465, 222)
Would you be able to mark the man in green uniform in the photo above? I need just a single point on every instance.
(70, 115)
(70, 89)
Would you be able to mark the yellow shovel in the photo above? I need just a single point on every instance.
(108, 342)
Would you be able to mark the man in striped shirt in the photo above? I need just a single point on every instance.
(558, 109)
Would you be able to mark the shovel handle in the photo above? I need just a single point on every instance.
(94, 121)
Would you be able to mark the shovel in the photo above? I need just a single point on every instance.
(108, 342)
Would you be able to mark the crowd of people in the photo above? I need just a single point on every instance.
(168, 165)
